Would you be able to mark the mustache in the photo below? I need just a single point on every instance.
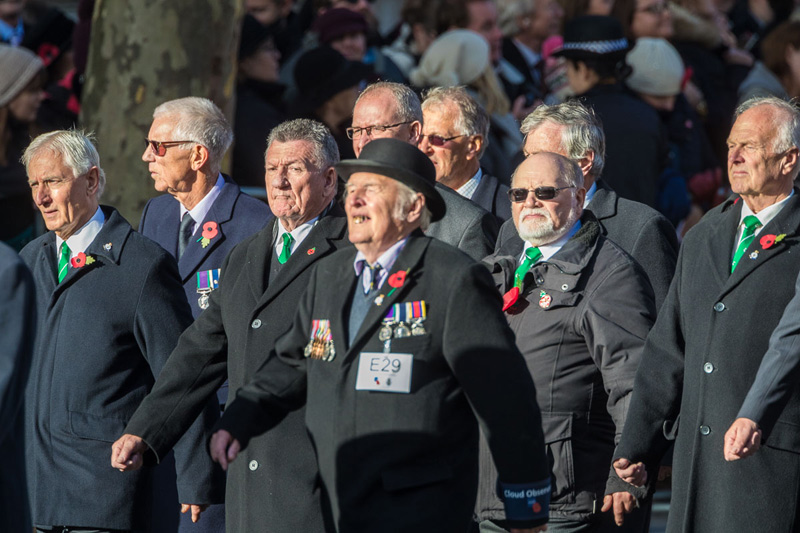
(527, 211)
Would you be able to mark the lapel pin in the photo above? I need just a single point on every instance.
(754, 255)
(379, 299)
(107, 247)
(311, 251)
(545, 300)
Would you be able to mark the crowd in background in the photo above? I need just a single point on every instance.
(665, 96)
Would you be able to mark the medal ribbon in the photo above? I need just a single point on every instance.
(208, 280)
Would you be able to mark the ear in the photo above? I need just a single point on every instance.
(92, 181)
(790, 160)
(330, 181)
(580, 197)
(416, 133)
(586, 162)
(415, 212)
(474, 146)
(199, 157)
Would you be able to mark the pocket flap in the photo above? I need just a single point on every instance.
(87, 426)
(415, 476)
(784, 436)
(556, 427)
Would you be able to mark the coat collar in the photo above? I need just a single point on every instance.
(604, 202)
(408, 261)
(221, 212)
(331, 226)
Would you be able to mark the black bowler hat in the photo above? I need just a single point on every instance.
(322, 73)
(402, 162)
(594, 37)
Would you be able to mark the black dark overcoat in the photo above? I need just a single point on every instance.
(699, 362)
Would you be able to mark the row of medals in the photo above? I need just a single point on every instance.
(320, 349)
(399, 330)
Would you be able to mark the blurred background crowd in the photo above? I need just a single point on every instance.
(663, 76)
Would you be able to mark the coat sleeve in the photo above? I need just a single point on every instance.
(480, 349)
(656, 251)
(162, 315)
(278, 386)
(17, 327)
(615, 323)
(658, 386)
(779, 371)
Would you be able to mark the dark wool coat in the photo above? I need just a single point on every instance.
(397, 462)
(466, 225)
(105, 332)
(582, 347)
(493, 196)
(699, 362)
(273, 485)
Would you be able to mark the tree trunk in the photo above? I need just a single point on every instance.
(143, 53)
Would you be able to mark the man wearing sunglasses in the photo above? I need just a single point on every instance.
(184, 150)
(580, 308)
(454, 138)
(574, 131)
(392, 110)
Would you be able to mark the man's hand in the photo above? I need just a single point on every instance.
(530, 529)
(622, 503)
(128, 453)
(633, 473)
(196, 510)
(224, 448)
(742, 439)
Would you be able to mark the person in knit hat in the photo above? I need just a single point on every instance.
(21, 81)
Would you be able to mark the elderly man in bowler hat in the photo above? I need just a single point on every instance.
(399, 350)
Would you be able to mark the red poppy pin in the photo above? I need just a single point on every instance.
(396, 281)
(81, 260)
(312, 251)
(510, 298)
(209, 232)
(768, 240)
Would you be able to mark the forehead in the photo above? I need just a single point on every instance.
(161, 129)
(545, 138)
(282, 152)
(439, 117)
(368, 178)
(754, 125)
(46, 164)
(537, 171)
(376, 108)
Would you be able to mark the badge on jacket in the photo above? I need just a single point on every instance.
(320, 345)
(207, 281)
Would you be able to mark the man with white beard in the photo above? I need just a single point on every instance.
(580, 308)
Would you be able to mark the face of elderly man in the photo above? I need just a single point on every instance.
(379, 108)
(545, 221)
(66, 201)
(375, 221)
(297, 189)
(454, 156)
(754, 169)
(174, 172)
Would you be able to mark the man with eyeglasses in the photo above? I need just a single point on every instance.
(454, 137)
(274, 487)
(199, 220)
(393, 110)
(580, 308)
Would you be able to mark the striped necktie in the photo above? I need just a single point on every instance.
(751, 223)
(63, 261)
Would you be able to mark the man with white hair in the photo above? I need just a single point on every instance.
(580, 308)
(111, 309)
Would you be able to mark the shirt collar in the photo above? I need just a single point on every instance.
(386, 260)
(468, 189)
(80, 240)
(765, 215)
(549, 250)
(202, 208)
(298, 234)
(590, 194)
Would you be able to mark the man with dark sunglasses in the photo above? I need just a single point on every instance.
(580, 308)
(392, 110)
(201, 218)
(454, 138)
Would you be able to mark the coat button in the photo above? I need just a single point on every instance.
(256, 324)
(705, 430)
(253, 465)
(565, 287)
(708, 368)
(719, 307)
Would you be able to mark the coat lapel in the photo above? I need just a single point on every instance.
(408, 261)
(786, 222)
(604, 202)
(221, 212)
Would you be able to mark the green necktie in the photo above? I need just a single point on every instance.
(751, 223)
(532, 255)
(287, 248)
(63, 261)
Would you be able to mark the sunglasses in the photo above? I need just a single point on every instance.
(160, 147)
(355, 133)
(438, 140)
(519, 195)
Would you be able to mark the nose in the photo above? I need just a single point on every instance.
(425, 146)
(735, 154)
(279, 179)
(361, 142)
(147, 155)
(41, 196)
